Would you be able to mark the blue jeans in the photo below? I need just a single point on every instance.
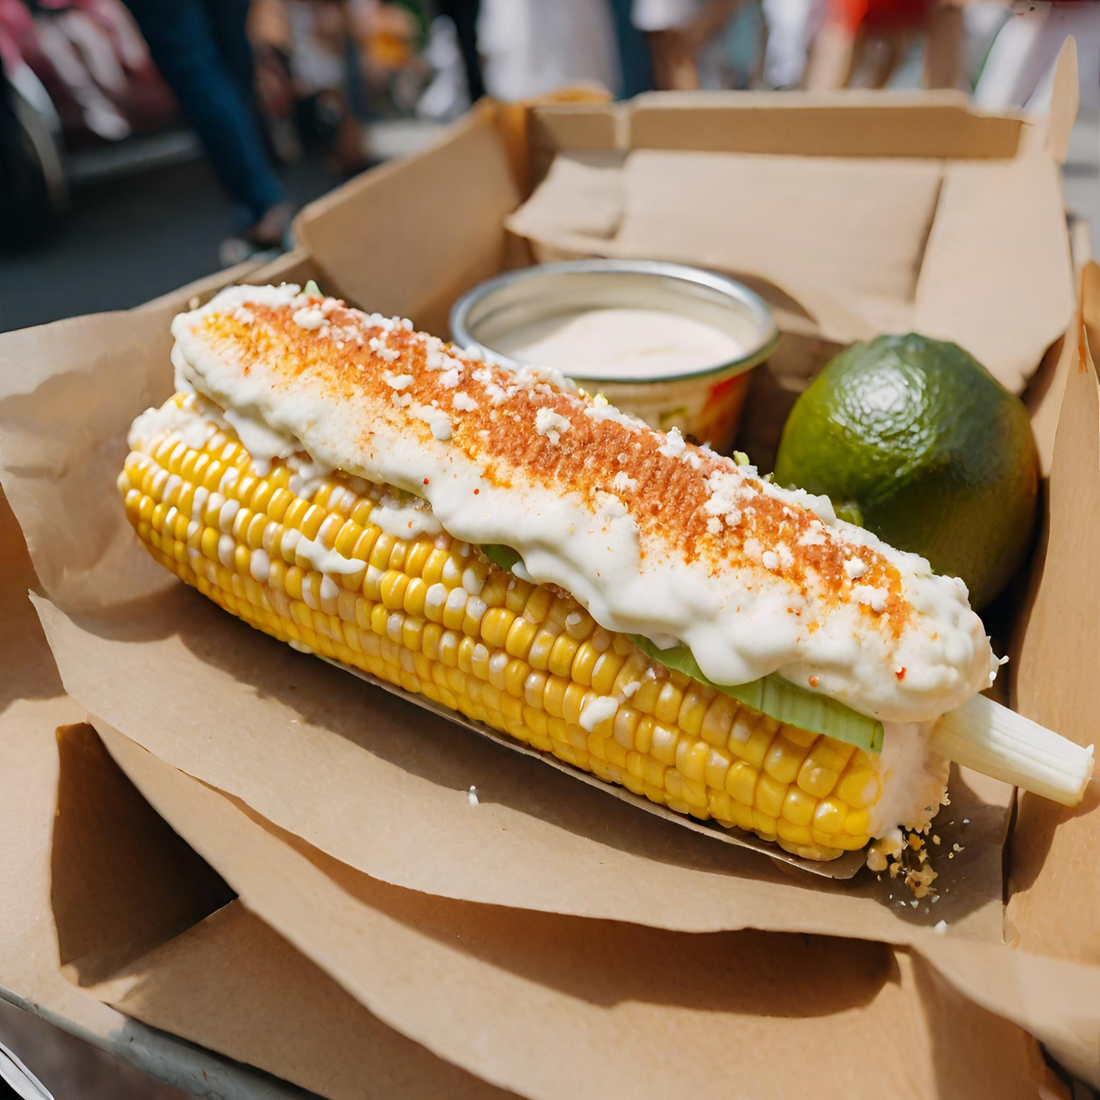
(201, 48)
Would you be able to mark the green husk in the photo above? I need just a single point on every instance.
(779, 699)
(770, 695)
(312, 290)
(503, 557)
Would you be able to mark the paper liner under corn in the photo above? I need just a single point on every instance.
(530, 662)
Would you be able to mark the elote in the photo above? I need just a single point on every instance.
(525, 554)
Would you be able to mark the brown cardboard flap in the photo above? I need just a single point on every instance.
(935, 125)
(101, 831)
(411, 236)
(1055, 1000)
(767, 216)
(1065, 100)
(170, 947)
(65, 435)
(862, 245)
(997, 276)
(1055, 673)
(235, 986)
(553, 1006)
(32, 704)
(29, 776)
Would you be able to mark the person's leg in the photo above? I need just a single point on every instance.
(635, 61)
(182, 44)
(229, 24)
(464, 15)
(832, 58)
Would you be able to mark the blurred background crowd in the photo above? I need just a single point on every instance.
(109, 107)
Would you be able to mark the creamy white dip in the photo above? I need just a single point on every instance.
(610, 344)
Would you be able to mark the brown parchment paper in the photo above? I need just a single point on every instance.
(32, 706)
(234, 985)
(366, 778)
(162, 940)
(91, 878)
(554, 1006)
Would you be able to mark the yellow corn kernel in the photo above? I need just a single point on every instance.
(616, 754)
(741, 814)
(741, 782)
(795, 834)
(417, 557)
(755, 749)
(643, 734)
(764, 824)
(625, 726)
(495, 624)
(604, 672)
(584, 663)
(561, 655)
(692, 710)
(718, 802)
(665, 739)
(520, 636)
(572, 701)
(849, 843)
(691, 757)
(669, 699)
(538, 605)
(770, 794)
(553, 696)
(829, 816)
(859, 786)
(717, 767)
(814, 779)
(645, 698)
(798, 807)
(718, 720)
(784, 758)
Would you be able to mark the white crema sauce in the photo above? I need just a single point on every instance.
(610, 344)
(737, 621)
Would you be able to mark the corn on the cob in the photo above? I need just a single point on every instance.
(721, 574)
(432, 615)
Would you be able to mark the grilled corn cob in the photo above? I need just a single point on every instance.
(318, 475)
(435, 617)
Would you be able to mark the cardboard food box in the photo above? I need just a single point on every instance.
(526, 938)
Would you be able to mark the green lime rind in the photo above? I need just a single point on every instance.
(914, 440)
(779, 699)
(770, 695)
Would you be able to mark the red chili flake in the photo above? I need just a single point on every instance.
(814, 681)
(900, 674)
(476, 491)
(425, 481)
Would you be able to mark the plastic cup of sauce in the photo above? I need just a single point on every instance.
(669, 343)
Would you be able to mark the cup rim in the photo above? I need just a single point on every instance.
(723, 284)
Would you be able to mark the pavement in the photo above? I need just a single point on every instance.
(127, 240)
